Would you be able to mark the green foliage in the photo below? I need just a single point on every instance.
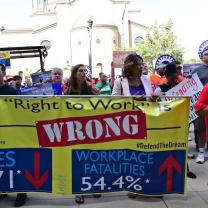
(160, 39)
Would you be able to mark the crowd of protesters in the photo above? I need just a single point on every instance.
(134, 81)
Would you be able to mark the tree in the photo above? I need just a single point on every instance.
(160, 39)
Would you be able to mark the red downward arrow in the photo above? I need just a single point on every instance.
(169, 164)
(37, 181)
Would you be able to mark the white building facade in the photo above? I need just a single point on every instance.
(62, 26)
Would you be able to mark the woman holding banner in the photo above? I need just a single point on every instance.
(78, 86)
(133, 81)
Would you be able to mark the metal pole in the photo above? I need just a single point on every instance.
(90, 49)
(89, 29)
(41, 60)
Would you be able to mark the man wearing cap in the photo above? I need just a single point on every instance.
(179, 68)
(158, 77)
(202, 72)
(6, 89)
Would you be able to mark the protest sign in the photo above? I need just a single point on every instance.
(189, 87)
(118, 58)
(43, 89)
(40, 77)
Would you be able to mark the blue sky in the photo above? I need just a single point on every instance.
(189, 17)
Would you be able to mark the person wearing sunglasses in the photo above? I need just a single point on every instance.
(133, 81)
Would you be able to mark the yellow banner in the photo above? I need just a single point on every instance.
(92, 145)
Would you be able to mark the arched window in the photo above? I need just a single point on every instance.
(138, 39)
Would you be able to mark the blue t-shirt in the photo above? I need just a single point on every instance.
(57, 88)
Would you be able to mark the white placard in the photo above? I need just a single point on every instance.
(189, 87)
